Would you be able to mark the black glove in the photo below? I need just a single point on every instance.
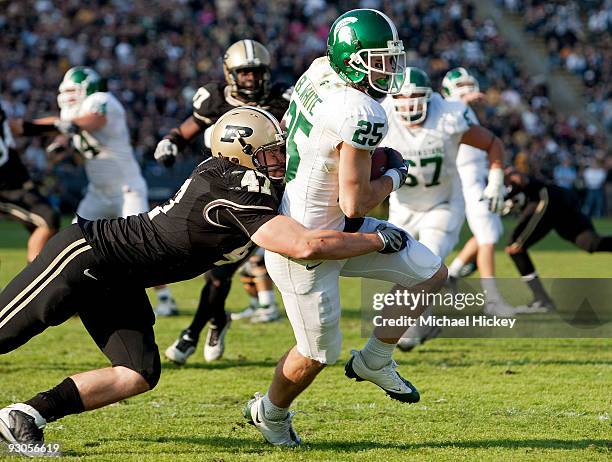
(394, 239)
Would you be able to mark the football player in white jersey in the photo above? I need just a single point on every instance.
(334, 122)
(473, 165)
(428, 130)
(96, 123)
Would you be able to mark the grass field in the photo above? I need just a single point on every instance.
(500, 399)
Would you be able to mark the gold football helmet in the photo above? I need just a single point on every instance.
(251, 137)
(247, 55)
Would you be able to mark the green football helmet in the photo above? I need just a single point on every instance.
(364, 49)
(78, 83)
(412, 100)
(458, 82)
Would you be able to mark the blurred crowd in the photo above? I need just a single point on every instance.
(578, 35)
(155, 54)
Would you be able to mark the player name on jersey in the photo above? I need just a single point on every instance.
(307, 93)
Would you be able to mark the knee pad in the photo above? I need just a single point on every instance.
(333, 352)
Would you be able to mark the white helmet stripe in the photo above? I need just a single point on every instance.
(250, 50)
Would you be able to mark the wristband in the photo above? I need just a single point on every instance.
(177, 139)
(395, 177)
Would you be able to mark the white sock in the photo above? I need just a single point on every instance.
(489, 285)
(455, 267)
(253, 301)
(377, 354)
(266, 297)
(163, 293)
(529, 277)
(273, 412)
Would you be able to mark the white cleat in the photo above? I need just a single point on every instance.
(387, 378)
(244, 314)
(278, 433)
(499, 308)
(537, 306)
(417, 336)
(181, 349)
(266, 314)
(215, 341)
(166, 307)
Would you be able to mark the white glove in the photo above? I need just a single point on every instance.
(165, 152)
(494, 192)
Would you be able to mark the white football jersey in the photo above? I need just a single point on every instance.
(469, 154)
(430, 150)
(109, 158)
(323, 113)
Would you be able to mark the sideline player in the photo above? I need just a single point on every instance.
(246, 65)
(20, 199)
(473, 165)
(226, 207)
(544, 207)
(334, 123)
(94, 122)
(428, 131)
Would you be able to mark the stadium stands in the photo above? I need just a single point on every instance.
(156, 54)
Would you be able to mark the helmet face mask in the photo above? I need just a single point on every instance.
(458, 83)
(412, 100)
(253, 138)
(244, 57)
(78, 83)
(383, 66)
(364, 49)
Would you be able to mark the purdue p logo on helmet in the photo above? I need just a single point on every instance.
(250, 136)
(233, 132)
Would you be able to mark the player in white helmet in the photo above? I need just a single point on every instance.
(334, 122)
(94, 122)
(473, 166)
(428, 130)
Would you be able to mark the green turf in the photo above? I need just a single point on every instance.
(502, 399)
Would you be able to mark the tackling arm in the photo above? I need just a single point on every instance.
(358, 195)
(286, 236)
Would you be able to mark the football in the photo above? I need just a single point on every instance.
(379, 163)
